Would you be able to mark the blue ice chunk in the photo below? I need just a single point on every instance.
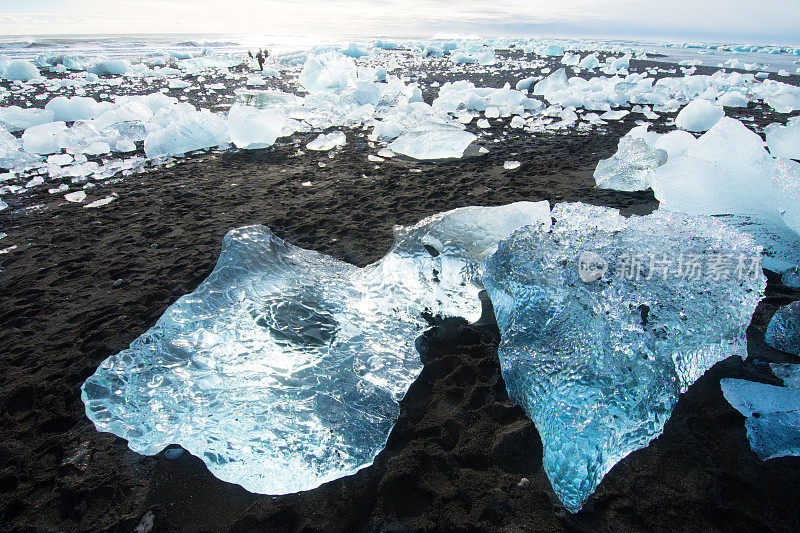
(598, 342)
(783, 330)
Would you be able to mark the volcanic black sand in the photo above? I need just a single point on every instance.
(458, 454)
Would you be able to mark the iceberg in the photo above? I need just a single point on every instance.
(113, 67)
(186, 132)
(44, 138)
(250, 127)
(791, 277)
(76, 108)
(605, 321)
(773, 413)
(14, 118)
(283, 370)
(783, 330)
(327, 72)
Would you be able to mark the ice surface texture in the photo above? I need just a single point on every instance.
(284, 368)
(773, 413)
(599, 366)
(783, 331)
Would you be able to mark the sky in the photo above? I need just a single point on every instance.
(744, 21)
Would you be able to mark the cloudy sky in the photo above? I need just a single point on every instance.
(766, 21)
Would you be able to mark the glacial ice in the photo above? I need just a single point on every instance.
(76, 108)
(783, 330)
(15, 118)
(186, 132)
(599, 365)
(112, 67)
(630, 168)
(773, 413)
(21, 70)
(699, 115)
(44, 138)
(784, 141)
(283, 370)
(329, 71)
(250, 127)
(728, 172)
(433, 143)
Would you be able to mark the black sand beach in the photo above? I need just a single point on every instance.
(457, 456)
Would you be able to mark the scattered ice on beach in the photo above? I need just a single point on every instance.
(600, 365)
(284, 368)
(329, 71)
(511, 165)
(773, 413)
(75, 197)
(327, 141)
(433, 143)
(44, 138)
(783, 331)
(699, 115)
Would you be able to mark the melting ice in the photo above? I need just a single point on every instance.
(283, 370)
(599, 365)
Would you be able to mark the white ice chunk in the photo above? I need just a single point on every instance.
(254, 128)
(21, 70)
(784, 141)
(699, 115)
(436, 143)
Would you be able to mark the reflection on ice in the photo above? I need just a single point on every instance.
(283, 369)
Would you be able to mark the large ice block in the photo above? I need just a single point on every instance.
(600, 364)
(284, 368)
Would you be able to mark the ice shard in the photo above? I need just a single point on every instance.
(773, 413)
(283, 370)
(605, 321)
(783, 330)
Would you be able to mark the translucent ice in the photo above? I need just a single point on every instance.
(329, 71)
(599, 364)
(773, 413)
(433, 143)
(631, 167)
(187, 132)
(254, 128)
(15, 118)
(75, 108)
(284, 368)
(43, 139)
(784, 141)
(699, 115)
(21, 70)
(113, 67)
(783, 331)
